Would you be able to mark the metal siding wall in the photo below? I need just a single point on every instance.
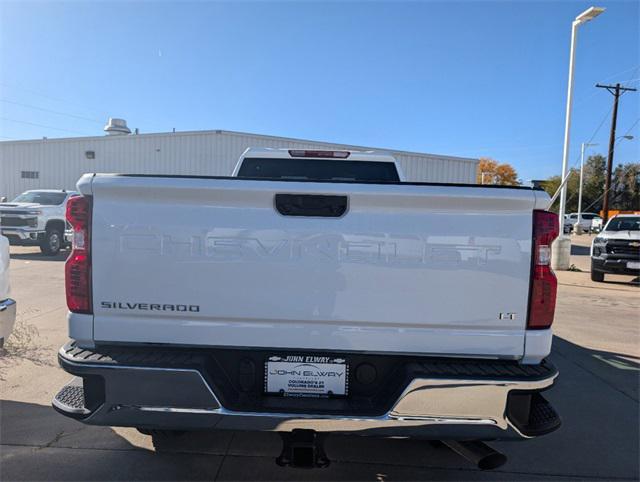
(61, 162)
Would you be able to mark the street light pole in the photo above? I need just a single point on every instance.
(562, 251)
(578, 226)
(581, 178)
(567, 126)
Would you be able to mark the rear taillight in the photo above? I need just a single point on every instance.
(542, 301)
(322, 154)
(78, 266)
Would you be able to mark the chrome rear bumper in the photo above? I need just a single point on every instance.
(459, 408)
(23, 235)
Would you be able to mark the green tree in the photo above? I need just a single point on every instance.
(552, 184)
(625, 191)
(625, 186)
(593, 186)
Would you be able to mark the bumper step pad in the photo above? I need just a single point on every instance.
(543, 418)
(70, 400)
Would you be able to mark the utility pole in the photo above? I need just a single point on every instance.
(616, 91)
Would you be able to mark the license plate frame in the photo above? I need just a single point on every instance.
(305, 375)
(633, 265)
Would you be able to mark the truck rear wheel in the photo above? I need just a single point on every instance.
(52, 242)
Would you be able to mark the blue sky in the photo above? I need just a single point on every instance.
(459, 78)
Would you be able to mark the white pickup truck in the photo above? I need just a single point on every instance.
(37, 218)
(312, 292)
(616, 249)
(7, 305)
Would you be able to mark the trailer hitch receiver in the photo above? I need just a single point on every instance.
(303, 449)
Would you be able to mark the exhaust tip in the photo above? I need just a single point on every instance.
(478, 453)
(492, 461)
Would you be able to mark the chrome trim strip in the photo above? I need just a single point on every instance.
(19, 216)
(18, 229)
(304, 416)
(211, 411)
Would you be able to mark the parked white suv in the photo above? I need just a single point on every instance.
(36, 218)
(588, 222)
(7, 305)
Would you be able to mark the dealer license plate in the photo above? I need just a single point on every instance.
(306, 375)
(633, 264)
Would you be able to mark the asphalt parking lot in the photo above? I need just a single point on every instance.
(596, 348)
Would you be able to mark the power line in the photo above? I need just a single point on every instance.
(69, 102)
(51, 111)
(616, 142)
(622, 72)
(512, 148)
(42, 125)
(563, 181)
(566, 178)
(595, 133)
(50, 97)
(580, 102)
(629, 129)
(607, 190)
(630, 80)
(628, 168)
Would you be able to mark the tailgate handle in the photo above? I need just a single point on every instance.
(318, 205)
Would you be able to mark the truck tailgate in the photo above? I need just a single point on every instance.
(431, 269)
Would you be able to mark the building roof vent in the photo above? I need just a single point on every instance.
(116, 127)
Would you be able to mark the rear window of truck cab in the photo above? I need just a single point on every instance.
(318, 170)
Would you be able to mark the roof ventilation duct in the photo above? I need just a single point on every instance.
(116, 127)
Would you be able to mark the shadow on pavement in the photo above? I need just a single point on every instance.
(632, 282)
(596, 395)
(618, 370)
(38, 256)
(40, 444)
(608, 281)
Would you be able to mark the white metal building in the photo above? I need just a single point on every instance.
(58, 163)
